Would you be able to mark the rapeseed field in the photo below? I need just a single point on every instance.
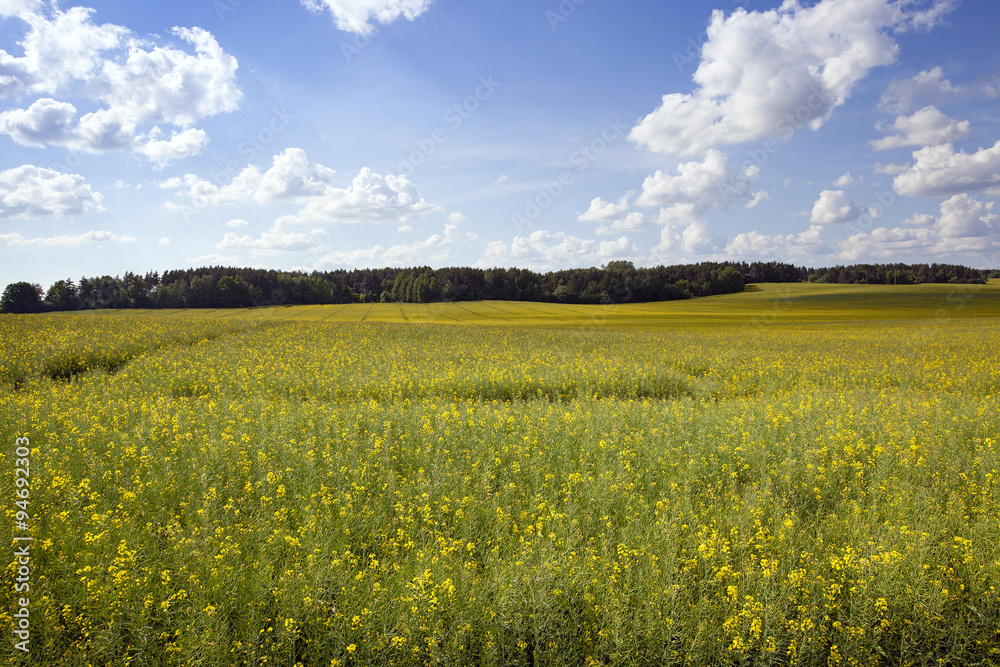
(798, 475)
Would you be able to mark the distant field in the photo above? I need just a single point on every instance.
(796, 475)
(791, 303)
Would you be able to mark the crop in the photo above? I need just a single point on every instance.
(721, 481)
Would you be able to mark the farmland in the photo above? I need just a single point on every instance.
(800, 474)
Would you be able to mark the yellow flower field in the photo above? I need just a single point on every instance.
(801, 475)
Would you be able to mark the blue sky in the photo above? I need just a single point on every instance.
(326, 134)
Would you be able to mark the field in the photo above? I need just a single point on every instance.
(796, 475)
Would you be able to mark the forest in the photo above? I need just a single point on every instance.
(615, 282)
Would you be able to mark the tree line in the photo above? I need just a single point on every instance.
(615, 282)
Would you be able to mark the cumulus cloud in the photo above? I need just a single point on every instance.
(272, 242)
(631, 222)
(370, 197)
(927, 127)
(544, 251)
(940, 171)
(361, 16)
(292, 176)
(698, 239)
(703, 185)
(770, 73)
(137, 85)
(844, 180)
(928, 86)
(407, 254)
(965, 225)
(754, 245)
(38, 192)
(965, 217)
(833, 206)
(215, 259)
(758, 198)
(203, 194)
(920, 220)
(65, 240)
(602, 211)
(882, 243)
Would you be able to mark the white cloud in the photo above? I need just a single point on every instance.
(965, 225)
(360, 16)
(292, 176)
(237, 223)
(698, 239)
(409, 254)
(759, 198)
(370, 197)
(770, 73)
(216, 259)
(271, 243)
(503, 179)
(882, 243)
(844, 180)
(165, 241)
(927, 127)
(65, 240)
(833, 206)
(754, 245)
(18, 7)
(203, 194)
(137, 85)
(965, 217)
(920, 220)
(180, 144)
(938, 171)
(891, 169)
(710, 183)
(38, 192)
(928, 86)
(545, 251)
(602, 211)
(632, 222)
(166, 85)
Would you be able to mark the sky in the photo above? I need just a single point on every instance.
(544, 134)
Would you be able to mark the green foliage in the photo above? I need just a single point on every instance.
(21, 298)
(63, 295)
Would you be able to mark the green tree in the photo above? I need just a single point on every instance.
(234, 292)
(63, 295)
(21, 298)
